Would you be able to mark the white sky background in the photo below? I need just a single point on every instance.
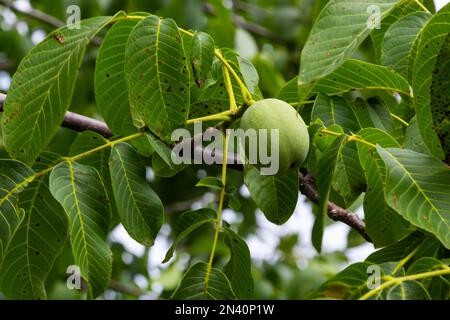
(440, 3)
(263, 244)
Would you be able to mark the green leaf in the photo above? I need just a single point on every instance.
(320, 141)
(432, 37)
(425, 264)
(440, 98)
(323, 141)
(42, 88)
(350, 283)
(348, 180)
(140, 209)
(143, 146)
(158, 76)
(38, 240)
(234, 203)
(276, 195)
(202, 55)
(85, 142)
(14, 177)
(396, 50)
(338, 31)
(417, 187)
(438, 287)
(408, 290)
(188, 222)
(162, 169)
(403, 9)
(238, 269)
(383, 224)
(271, 78)
(210, 182)
(111, 92)
(193, 285)
(352, 75)
(79, 189)
(289, 92)
(213, 97)
(249, 74)
(373, 115)
(161, 148)
(356, 74)
(397, 251)
(334, 110)
(324, 174)
(413, 139)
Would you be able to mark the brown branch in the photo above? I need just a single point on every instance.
(336, 213)
(77, 122)
(307, 186)
(80, 123)
(42, 17)
(33, 13)
(254, 28)
(122, 288)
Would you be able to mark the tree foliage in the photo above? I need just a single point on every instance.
(378, 127)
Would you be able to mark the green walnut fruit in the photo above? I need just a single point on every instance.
(293, 134)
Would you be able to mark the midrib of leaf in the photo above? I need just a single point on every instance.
(276, 198)
(17, 187)
(158, 31)
(28, 228)
(199, 39)
(346, 175)
(57, 76)
(122, 163)
(408, 58)
(78, 211)
(366, 87)
(378, 168)
(375, 76)
(417, 187)
(234, 252)
(332, 110)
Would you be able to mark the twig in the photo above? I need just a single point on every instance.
(35, 14)
(307, 187)
(77, 122)
(252, 9)
(122, 288)
(182, 205)
(248, 26)
(42, 17)
(336, 213)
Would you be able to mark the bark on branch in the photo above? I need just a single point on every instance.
(307, 187)
(34, 14)
(42, 17)
(77, 122)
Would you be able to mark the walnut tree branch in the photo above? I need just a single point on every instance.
(253, 28)
(125, 289)
(34, 14)
(307, 186)
(41, 16)
(77, 122)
